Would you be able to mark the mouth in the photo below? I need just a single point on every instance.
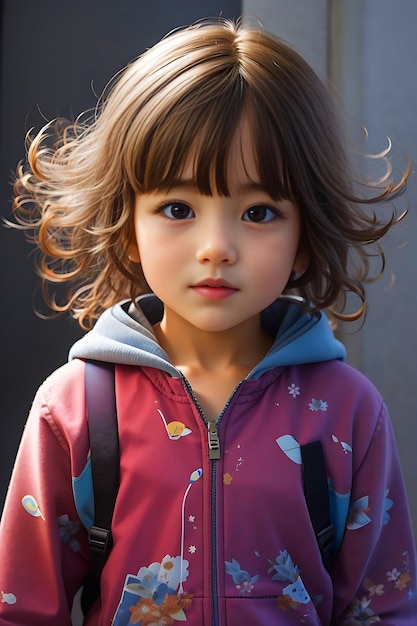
(214, 288)
(215, 283)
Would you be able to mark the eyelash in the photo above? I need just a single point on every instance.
(270, 212)
(166, 207)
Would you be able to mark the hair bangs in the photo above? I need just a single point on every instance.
(273, 169)
(190, 114)
(195, 132)
(187, 110)
(204, 132)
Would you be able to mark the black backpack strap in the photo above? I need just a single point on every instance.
(105, 461)
(317, 497)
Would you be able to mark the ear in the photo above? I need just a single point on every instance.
(133, 252)
(302, 260)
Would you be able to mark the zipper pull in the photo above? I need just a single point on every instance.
(213, 441)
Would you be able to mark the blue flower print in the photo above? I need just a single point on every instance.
(293, 390)
(358, 514)
(147, 585)
(284, 568)
(317, 405)
(8, 598)
(244, 582)
(67, 530)
(294, 594)
(360, 614)
(387, 505)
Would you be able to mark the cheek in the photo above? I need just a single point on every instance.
(157, 258)
(280, 252)
(275, 265)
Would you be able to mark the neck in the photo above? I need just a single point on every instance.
(212, 362)
(189, 347)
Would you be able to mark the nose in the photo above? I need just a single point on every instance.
(217, 243)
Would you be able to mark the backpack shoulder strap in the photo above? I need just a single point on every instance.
(105, 461)
(317, 497)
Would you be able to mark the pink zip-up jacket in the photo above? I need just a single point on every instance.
(206, 541)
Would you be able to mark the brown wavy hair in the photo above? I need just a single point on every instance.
(186, 96)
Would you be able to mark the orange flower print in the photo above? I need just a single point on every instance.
(157, 619)
(185, 600)
(403, 579)
(162, 600)
(284, 602)
(170, 605)
(142, 610)
(150, 614)
(167, 565)
(374, 590)
(227, 479)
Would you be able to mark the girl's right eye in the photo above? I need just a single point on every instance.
(177, 211)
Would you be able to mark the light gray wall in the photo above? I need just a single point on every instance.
(374, 49)
(369, 50)
(390, 107)
(301, 23)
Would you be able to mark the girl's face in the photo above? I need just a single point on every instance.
(216, 262)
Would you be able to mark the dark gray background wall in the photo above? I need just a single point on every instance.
(54, 55)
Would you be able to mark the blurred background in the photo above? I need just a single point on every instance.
(57, 55)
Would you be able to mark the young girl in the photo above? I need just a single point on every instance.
(214, 178)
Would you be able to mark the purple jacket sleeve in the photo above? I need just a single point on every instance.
(375, 570)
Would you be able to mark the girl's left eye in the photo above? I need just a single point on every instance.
(260, 213)
(177, 211)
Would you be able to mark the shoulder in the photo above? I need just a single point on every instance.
(348, 404)
(355, 409)
(354, 397)
(62, 401)
(65, 385)
(344, 380)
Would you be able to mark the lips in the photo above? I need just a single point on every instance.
(215, 283)
(214, 288)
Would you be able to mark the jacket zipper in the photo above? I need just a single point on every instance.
(214, 455)
(213, 441)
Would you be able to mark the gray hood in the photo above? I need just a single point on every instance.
(123, 334)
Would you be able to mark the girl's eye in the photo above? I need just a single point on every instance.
(177, 211)
(259, 213)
